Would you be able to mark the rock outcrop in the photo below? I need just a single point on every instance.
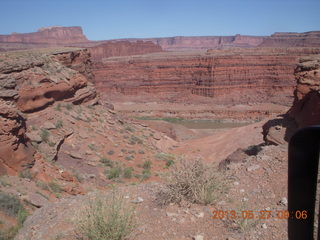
(122, 48)
(230, 76)
(31, 81)
(306, 107)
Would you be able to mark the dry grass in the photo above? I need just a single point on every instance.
(109, 218)
(192, 181)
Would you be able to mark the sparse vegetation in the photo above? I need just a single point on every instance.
(147, 164)
(106, 218)
(44, 135)
(192, 181)
(168, 158)
(52, 187)
(12, 206)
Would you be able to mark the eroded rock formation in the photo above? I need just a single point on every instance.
(31, 81)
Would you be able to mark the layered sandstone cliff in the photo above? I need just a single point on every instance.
(182, 43)
(238, 76)
(31, 81)
(307, 39)
(122, 48)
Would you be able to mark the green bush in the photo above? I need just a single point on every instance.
(106, 218)
(114, 172)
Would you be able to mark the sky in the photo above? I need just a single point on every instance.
(112, 19)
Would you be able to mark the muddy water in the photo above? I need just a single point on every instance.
(200, 123)
(209, 124)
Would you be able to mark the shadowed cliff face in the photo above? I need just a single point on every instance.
(306, 106)
(31, 81)
(238, 76)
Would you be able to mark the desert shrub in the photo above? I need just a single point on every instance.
(127, 172)
(169, 163)
(44, 135)
(192, 181)
(141, 151)
(114, 172)
(123, 150)
(109, 218)
(25, 174)
(10, 204)
(58, 107)
(129, 157)
(166, 157)
(54, 187)
(129, 129)
(69, 106)
(92, 147)
(59, 124)
(147, 164)
(146, 173)
(107, 162)
(133, 140)
(111, 152)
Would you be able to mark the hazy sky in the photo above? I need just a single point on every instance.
(109, 19)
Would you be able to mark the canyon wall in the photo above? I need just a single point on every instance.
(31, 81)
(307, 39)
(206, 42)
(122, 48)
(239, 76)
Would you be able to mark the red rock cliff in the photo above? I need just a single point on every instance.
(226, 76)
